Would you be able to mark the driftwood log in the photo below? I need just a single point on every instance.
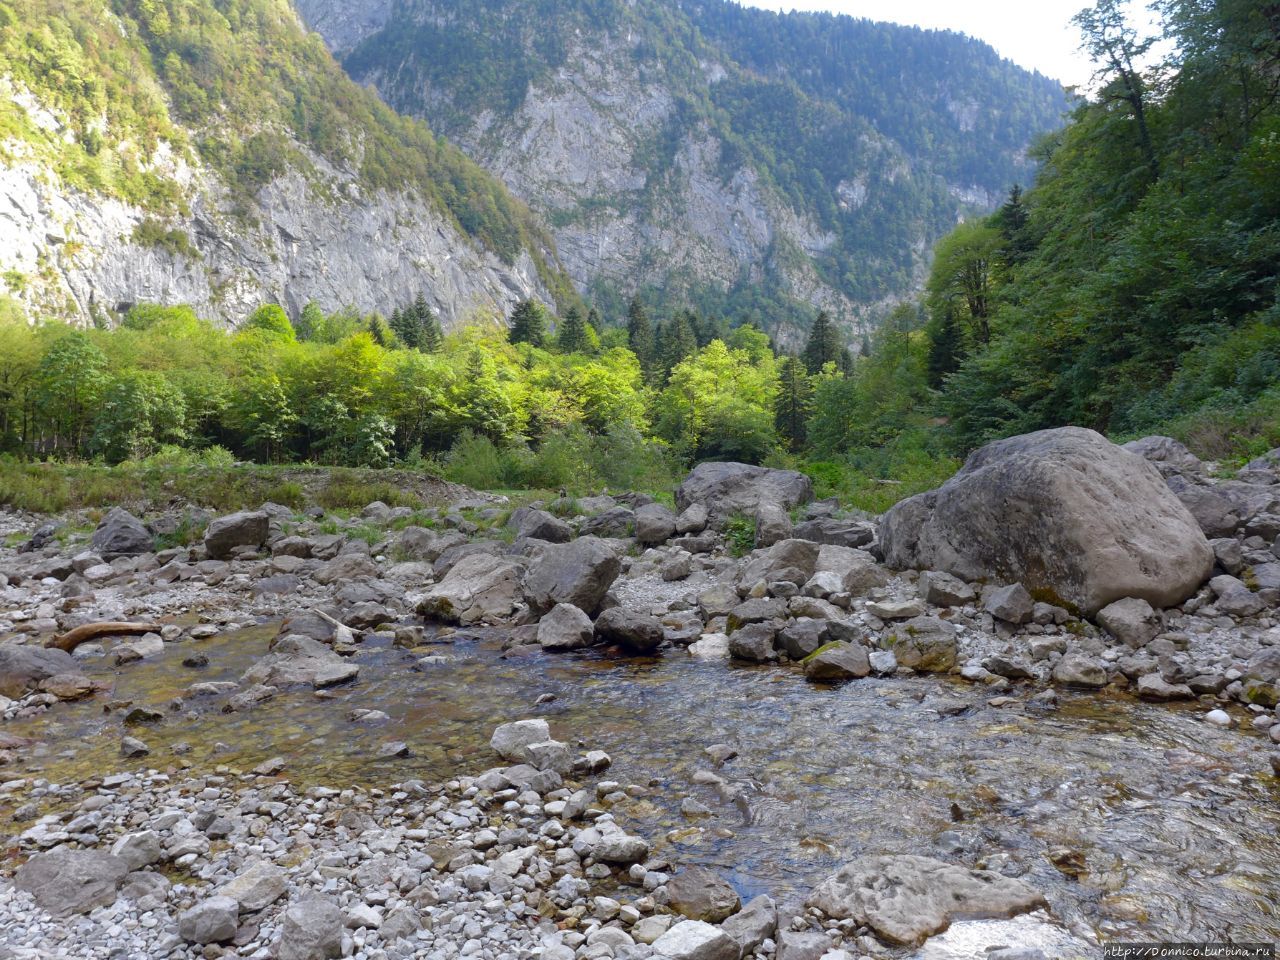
(92, 631)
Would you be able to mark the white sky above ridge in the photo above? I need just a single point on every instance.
(1036, 34)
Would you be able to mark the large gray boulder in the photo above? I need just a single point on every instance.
(225, 534)
(480, 588)
(529, 523)
(729, 488)
(214, 920)
(312, 930)
(907, 899)
(639, 633)
(121, 534)
(580, 573)
(790, 561)
(565, 628)
(66, 881)
(1062, 511)
(22, 667)
(702, 894)
(654, 524)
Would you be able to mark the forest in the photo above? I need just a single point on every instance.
(1132, 287)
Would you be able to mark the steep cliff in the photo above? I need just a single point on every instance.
(754, 163)
(213, 153)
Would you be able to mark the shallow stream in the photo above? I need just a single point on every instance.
(1163, 827)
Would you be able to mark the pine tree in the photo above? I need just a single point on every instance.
(405, 325)
(791, 409)
(430, 333)
(1012, 219)
(678, 341)
(572, 335)
(823, 346)
(528, 323)
(640, 334)
(382, 334)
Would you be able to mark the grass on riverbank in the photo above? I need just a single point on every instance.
(58, 487)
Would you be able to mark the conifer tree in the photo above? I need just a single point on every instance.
(405, 325)
(791, 409)
(572, 335)
(823, 346)
(430, 334)
(640, 334)
(528, 323)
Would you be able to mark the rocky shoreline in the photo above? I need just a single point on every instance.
(525, 860)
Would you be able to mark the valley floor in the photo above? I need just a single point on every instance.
(290, 757)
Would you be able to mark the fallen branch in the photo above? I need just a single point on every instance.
(91, 631)
(341, 632)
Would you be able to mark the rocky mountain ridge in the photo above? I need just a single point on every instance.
(672, 154)
(267, 209)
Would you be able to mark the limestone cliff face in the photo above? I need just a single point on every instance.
(643, 190)
(578, 150)
(65, 252)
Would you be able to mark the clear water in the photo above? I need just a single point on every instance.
(1175, 820)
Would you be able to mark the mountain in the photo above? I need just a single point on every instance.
(212, 152)
(749, 162)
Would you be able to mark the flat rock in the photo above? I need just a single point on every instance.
(66, 881)
(907, 899)
(696, 940)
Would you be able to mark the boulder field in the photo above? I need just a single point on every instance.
(1051, 565)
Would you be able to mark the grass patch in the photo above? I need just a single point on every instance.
(147, 487)
(873, 479)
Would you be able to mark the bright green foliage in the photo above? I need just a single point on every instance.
(139, 412)
(718, 404)
(529, 323)
(69, 381)
(885, 395)
(270, 321)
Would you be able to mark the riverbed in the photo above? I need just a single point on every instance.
(1138, 821)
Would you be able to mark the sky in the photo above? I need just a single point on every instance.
(1036, 34)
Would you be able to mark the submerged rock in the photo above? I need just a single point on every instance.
(907, 899)
(702, 894)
